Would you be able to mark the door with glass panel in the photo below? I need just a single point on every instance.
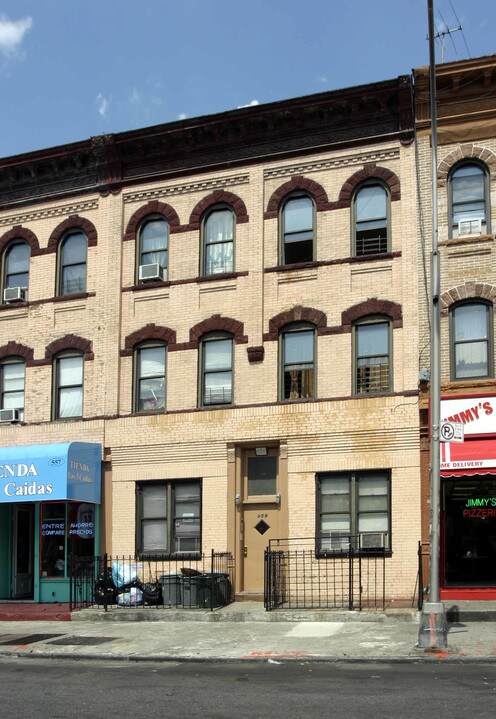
(261, 516)
(23, 546)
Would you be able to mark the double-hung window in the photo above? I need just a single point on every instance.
(471, 341)
(218, 242)
(150, 378)
(68, 385)
(371, 221)
(12, 377)
(297, 230)
(353, 509)
(372, 356)
(16, 271)
(72, 264)
(298, 363)
(216, 380)
(168, 518)
(469, 200)
(153, 247)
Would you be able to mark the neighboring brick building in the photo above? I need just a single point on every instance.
(227, 307)
(466, 93)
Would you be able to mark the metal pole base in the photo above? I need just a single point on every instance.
(433, 631)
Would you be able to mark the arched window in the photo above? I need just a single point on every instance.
(297, 362)
(218, 241)
(12, 378)
(153, 246)
(149, 377)
(216, 373)
(469, 200)
(371, 220)
(372, 350)
(471, 340)
(297, 227)
(68, 385)
(72, 264)
(15, 280)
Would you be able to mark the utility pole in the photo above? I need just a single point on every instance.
(433, 631)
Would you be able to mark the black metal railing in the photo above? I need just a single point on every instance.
(202, 581)
(300, 575)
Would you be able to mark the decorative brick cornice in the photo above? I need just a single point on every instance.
(152, 208)
(372, 306)
(369, 172)
(296, 314)
(468, 151)
(69, 342)
(216, 198)
(303, 184)
(151, 331)
(216, 323)
(467, 291)
(15, 349)
(255, 354)
(20, 232)
(74, 222)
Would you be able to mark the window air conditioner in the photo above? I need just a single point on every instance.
(9, 415)
(469, 227)
(151, 272)
(373, 540)
(14, 294)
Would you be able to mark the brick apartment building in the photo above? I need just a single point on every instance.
(466, 93)
(208, 340)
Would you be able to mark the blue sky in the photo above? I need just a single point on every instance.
(70, 69)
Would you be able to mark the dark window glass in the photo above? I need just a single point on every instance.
(371, 224)
(217, 360)
(73, 264)
(17, 265)
(262, 475)
(297, 231)
(372, 357)
(154, 240)
(298, 364)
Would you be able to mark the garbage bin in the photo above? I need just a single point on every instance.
(190, 585)
(171, 589)
(214, 590)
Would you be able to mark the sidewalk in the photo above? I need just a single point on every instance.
(243, 632)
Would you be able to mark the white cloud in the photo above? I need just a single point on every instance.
(12, 33)
(322, 79)
(182, 116)
(103, 104)
(253, 103)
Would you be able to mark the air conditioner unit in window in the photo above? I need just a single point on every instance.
(469, 227)
(151, 272)
(14, 294)
(9, 415)
(373, 540)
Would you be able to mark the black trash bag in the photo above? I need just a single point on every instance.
(152, 594)
(104, 597)
(104, 579)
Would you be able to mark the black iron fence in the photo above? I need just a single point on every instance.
(299, 575)
(115, 582)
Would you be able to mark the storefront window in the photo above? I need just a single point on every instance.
(67, 533)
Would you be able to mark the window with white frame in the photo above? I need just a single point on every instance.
(150, 358)
(353, 510)
(372, 341)
(371, 220)
(216, 375)
(297, 223)
(471, 340)
(469, 200)
(12, 379)
(218, 241)
(153, 245)
(168, 518)
(297, 349)
(15, 270)
(68, 385)
(72, 264)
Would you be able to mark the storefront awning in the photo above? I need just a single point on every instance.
(476, 456)
(51, 472)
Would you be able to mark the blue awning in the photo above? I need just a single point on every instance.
(51, 472)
